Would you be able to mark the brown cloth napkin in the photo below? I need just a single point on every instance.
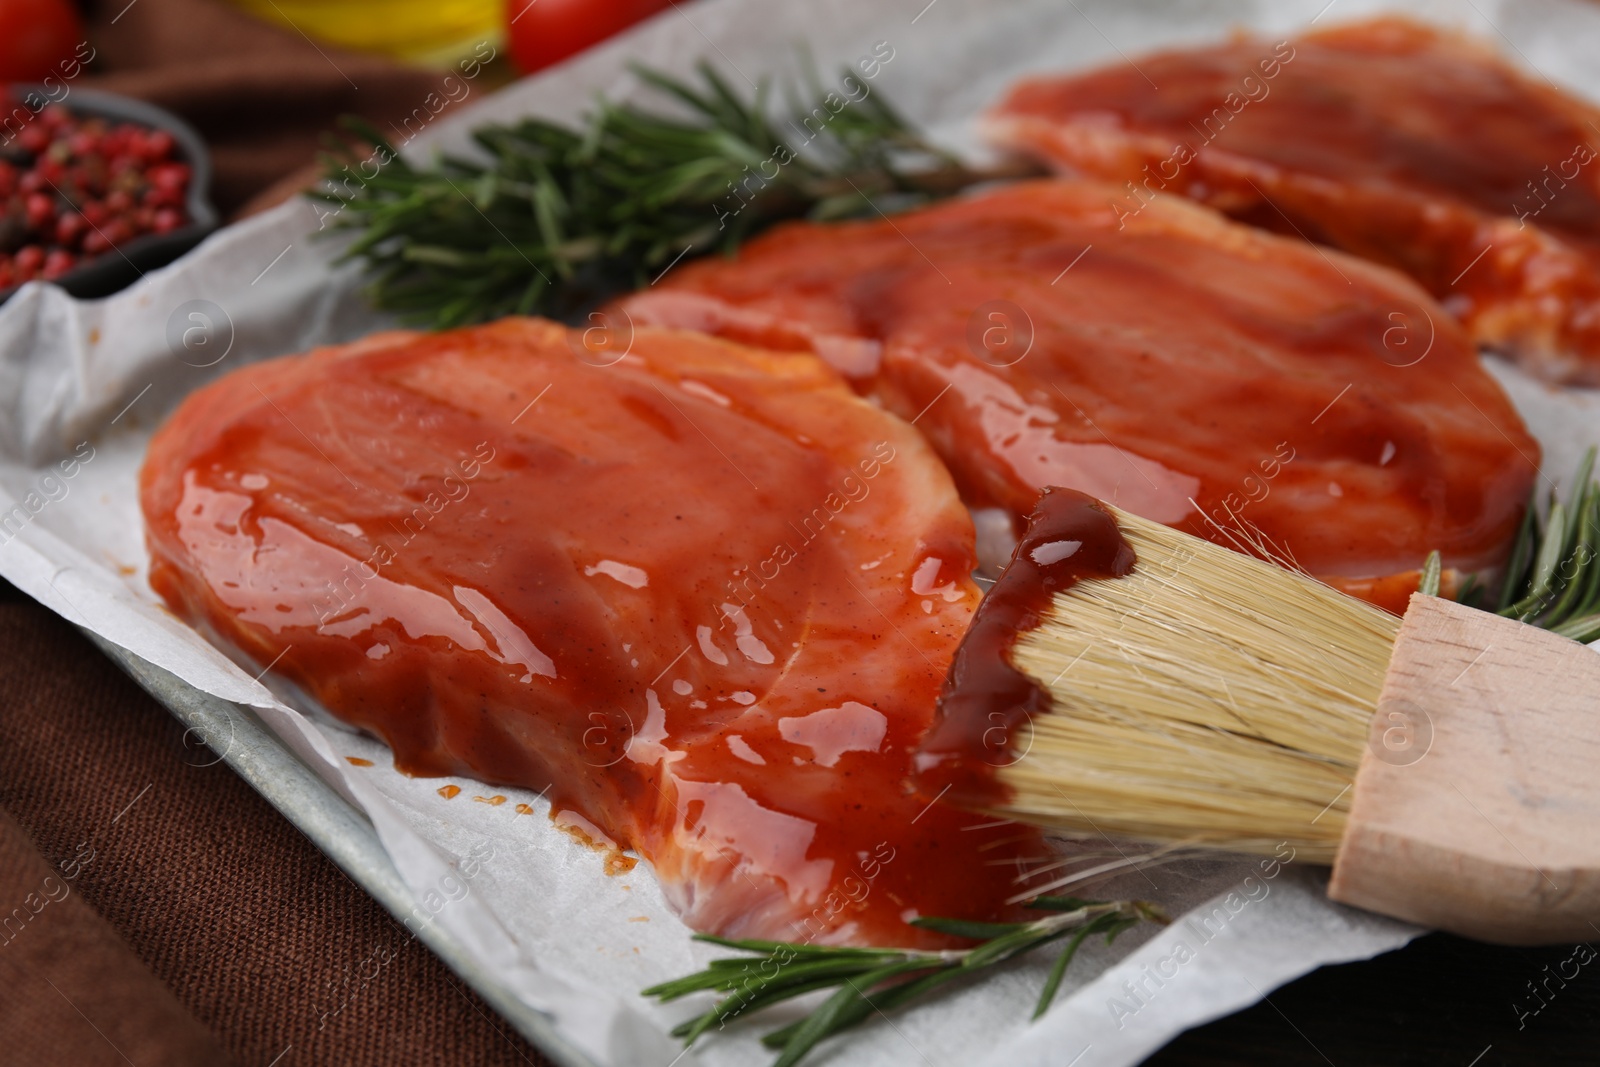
(75, 992)
(180, 919)
(261, 96)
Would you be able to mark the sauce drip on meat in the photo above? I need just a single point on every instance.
(987, 703)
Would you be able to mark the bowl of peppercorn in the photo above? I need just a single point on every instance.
(96, 190)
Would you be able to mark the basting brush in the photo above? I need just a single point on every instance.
(1126, 679)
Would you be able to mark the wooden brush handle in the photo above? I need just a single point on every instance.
(1477, 805)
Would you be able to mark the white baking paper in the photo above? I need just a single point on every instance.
(94, 378)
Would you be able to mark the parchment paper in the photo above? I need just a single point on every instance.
(93, 379)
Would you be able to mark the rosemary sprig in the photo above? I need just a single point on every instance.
(870, 980)
(558, 218)
(1553, 579)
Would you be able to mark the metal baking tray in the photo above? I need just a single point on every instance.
(338, 828)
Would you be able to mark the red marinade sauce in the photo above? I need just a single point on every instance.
(1070, 537)
(1393, 139)
(1174, 367)
(702, 597)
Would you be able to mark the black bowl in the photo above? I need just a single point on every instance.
(109, 272)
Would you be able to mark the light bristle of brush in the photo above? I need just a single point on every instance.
(1206, 699)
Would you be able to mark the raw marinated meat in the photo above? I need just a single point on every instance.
(1403, 143)
(704, 593)
(1241, 386)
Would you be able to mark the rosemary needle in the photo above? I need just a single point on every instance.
(554, 219)
(867, 981)
(1553, 579)
(1432, 573)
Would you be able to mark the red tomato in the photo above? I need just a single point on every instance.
(547, 31)
(36, 36)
